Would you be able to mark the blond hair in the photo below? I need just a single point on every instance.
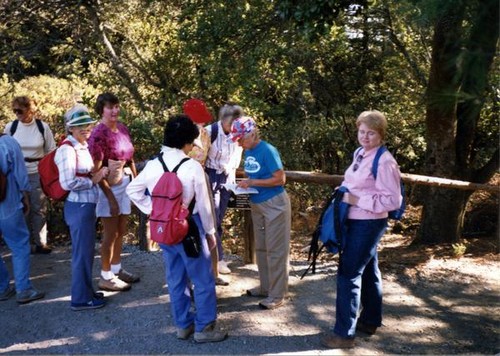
(375, 120)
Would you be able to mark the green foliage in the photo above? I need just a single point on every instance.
(459, 249)
(303, 69)
(52, 97)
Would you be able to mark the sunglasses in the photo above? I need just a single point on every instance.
(82, 127)
(18, 111)
(359, 158)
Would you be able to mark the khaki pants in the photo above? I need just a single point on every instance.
(272, 224)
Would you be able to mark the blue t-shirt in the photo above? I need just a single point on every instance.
(260, 163)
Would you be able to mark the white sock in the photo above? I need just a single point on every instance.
(116, 268)
(107, 275)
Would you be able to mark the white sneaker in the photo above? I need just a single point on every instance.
(223, 268)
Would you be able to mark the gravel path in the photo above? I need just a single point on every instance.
(441, 307)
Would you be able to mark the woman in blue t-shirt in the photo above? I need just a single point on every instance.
(271, 212)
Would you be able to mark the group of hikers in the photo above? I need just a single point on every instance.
(96, 166)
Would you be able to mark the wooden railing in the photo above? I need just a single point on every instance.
(332, 180)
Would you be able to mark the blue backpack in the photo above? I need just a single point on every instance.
(330, 229)
(398, 213)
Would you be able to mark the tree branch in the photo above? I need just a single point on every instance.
(115, 60)
(417, 72)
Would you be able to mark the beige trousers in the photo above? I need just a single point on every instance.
(271, 225)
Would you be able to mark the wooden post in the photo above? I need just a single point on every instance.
(248, 238)
(143, 231)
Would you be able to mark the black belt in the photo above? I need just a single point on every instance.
(32, 159)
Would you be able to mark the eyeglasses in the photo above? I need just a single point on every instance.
(359, 158)
(18, 111)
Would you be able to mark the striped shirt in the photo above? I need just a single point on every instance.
(82, 190)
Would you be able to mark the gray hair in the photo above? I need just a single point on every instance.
(230, 111)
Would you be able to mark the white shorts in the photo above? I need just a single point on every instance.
(102, 208)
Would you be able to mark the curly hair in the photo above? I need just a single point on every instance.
(179, 131)
(24, 102)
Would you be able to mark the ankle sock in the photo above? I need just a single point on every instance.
(116, 268)
(107, 275)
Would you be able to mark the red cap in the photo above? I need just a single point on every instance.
(197, 111)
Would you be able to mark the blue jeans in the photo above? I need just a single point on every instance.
(221, 200)
(81, 218)
(180, 269)
(359, 281)
(17, 237)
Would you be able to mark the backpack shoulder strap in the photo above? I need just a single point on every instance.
(39, 124)
(214, 131)
(180, 163)
(379, 153)
(160, 158)
(356, 153)
(13, 127)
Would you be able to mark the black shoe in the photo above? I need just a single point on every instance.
(366, 328)
(41, 249)
(221, 282)
(98, 295)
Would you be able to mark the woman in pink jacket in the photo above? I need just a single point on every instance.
(359, 282)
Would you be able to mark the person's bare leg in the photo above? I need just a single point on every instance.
(109, 234)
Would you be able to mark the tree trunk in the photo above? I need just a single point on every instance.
(443, 215)
(451, 121)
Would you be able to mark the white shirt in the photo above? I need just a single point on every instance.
(224, 156)
(192, 177)
(32, 142)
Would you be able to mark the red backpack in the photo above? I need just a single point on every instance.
(168, 220)
(49, 176)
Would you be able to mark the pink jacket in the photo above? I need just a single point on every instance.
(376, 197)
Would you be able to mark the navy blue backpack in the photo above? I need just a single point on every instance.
(398, 213)
(330, 229)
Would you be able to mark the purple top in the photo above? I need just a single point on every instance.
(105, 144)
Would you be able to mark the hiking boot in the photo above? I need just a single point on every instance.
(128, 277)
(271, 303)
(114, 284)
(7, 293)
(366, 328)
(333, 341)
(184, 334)
(209, 334)
(93, 304)
(223, 268)
(29, 295)
(41, 250)
(256, 292)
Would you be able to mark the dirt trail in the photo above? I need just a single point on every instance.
(438, 307)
